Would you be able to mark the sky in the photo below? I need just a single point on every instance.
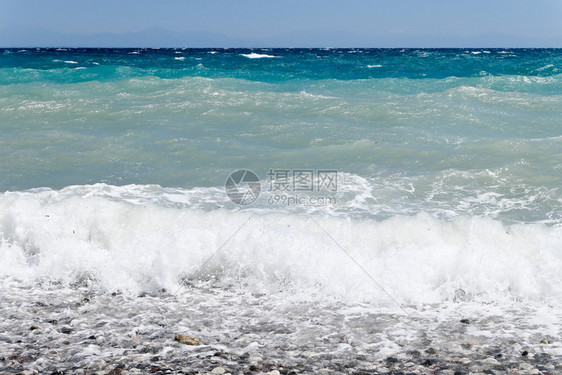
(288, 23)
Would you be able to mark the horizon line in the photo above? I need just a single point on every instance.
(260, 47)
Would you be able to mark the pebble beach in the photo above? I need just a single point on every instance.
(44, 331)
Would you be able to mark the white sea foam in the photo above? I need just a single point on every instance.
(71, 62)
(133, 239)
(374, 66)
(315, 96)
(254, 55)
(179, 58)
(548, 66)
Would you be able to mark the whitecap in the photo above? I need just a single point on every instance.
(545, 67)
(254, 55)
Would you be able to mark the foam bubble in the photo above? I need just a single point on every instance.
(119, 240)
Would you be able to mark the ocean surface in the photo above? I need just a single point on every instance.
(391, 180)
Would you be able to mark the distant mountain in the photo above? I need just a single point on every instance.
(157, 37)
(153, 37)
(347, 39)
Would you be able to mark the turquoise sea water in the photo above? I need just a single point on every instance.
(123, 149)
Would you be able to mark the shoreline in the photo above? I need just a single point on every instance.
(75, 331)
